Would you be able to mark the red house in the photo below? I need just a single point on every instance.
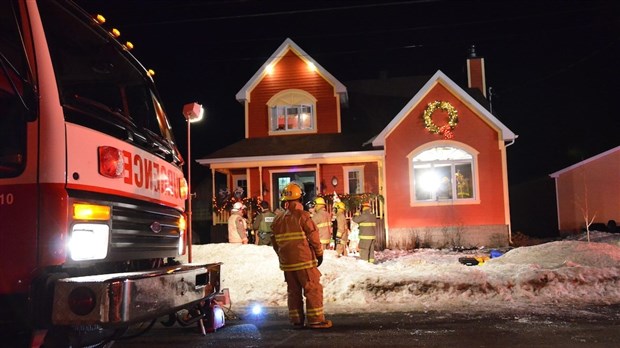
(434, 167)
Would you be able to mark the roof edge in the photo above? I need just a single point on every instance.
(586, 161)
(440, 77)
(243, 93)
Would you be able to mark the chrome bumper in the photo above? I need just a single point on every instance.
(123, 298)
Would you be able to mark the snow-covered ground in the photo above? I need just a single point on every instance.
(546, 277)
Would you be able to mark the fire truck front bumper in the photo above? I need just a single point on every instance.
(123, 298)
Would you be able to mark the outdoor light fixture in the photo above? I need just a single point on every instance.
(193, 112)
(334, 181)
(269, 69)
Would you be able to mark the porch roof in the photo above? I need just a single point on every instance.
(293, 146)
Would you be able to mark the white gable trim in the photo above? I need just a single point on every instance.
(584, 162)
(440, 77)
(288, 44)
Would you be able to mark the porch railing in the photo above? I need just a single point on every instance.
(376, 205)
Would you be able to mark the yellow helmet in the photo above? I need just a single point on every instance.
(366, 205)
(339, 205)
(319, 201)
(291, 192)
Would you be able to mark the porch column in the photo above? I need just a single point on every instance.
(213, 193)
(260, 182)
(318, 179)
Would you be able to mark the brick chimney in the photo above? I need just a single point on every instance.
(476, 77)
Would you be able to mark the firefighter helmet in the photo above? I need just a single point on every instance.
(238, 206)
(366, 205)
(319, 201)
(339, 206)
(291, 192)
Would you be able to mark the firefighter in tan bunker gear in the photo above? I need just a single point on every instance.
(237, 225)
(367, 222)
(296, 242)
(323, 221)
(342, 231)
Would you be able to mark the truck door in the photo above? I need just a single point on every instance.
(18, 144)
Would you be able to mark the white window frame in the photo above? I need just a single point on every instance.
(235, 183)
(454, 200)
(360, 182)
(292, 98)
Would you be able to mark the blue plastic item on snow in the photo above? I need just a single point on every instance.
(496, 253)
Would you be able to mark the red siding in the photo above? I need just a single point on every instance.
(371, 178)
(328, 171)
(254, 183)
(594, 185)
(472, 131)
(291, 72)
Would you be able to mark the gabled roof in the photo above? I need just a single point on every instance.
(287, 45)
(584, 162)
(297, 146)
(440, 77)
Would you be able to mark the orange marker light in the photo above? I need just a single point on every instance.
(91, 212)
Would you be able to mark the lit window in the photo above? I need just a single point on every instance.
(443, 173)
(292, 111)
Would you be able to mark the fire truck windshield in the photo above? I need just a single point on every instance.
(102, 86)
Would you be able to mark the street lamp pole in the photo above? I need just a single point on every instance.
(193, 112)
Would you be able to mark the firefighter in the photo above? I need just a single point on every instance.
(323, 221)
(237, 225)
(342, 231)
(262, 224)
(367, 222)
(296, 242)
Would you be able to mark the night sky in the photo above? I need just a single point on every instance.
(553, 66)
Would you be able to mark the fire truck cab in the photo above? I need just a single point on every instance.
(92, 192)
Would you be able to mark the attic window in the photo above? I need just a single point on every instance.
(292, 111)
(443, 174)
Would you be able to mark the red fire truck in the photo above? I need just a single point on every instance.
(92, 193)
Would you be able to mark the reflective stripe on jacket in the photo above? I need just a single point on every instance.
(367, 222)
(323, 222)
(296, 239)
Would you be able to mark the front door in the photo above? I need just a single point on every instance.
(307, 181)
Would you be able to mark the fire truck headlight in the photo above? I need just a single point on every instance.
(89, 242)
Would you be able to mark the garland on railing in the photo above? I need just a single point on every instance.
(251, 203)
(351, 201)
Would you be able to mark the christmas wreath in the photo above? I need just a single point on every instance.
(446, 129)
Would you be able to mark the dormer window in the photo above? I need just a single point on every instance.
(292, 111)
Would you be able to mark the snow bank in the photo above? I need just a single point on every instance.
(558, 273)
